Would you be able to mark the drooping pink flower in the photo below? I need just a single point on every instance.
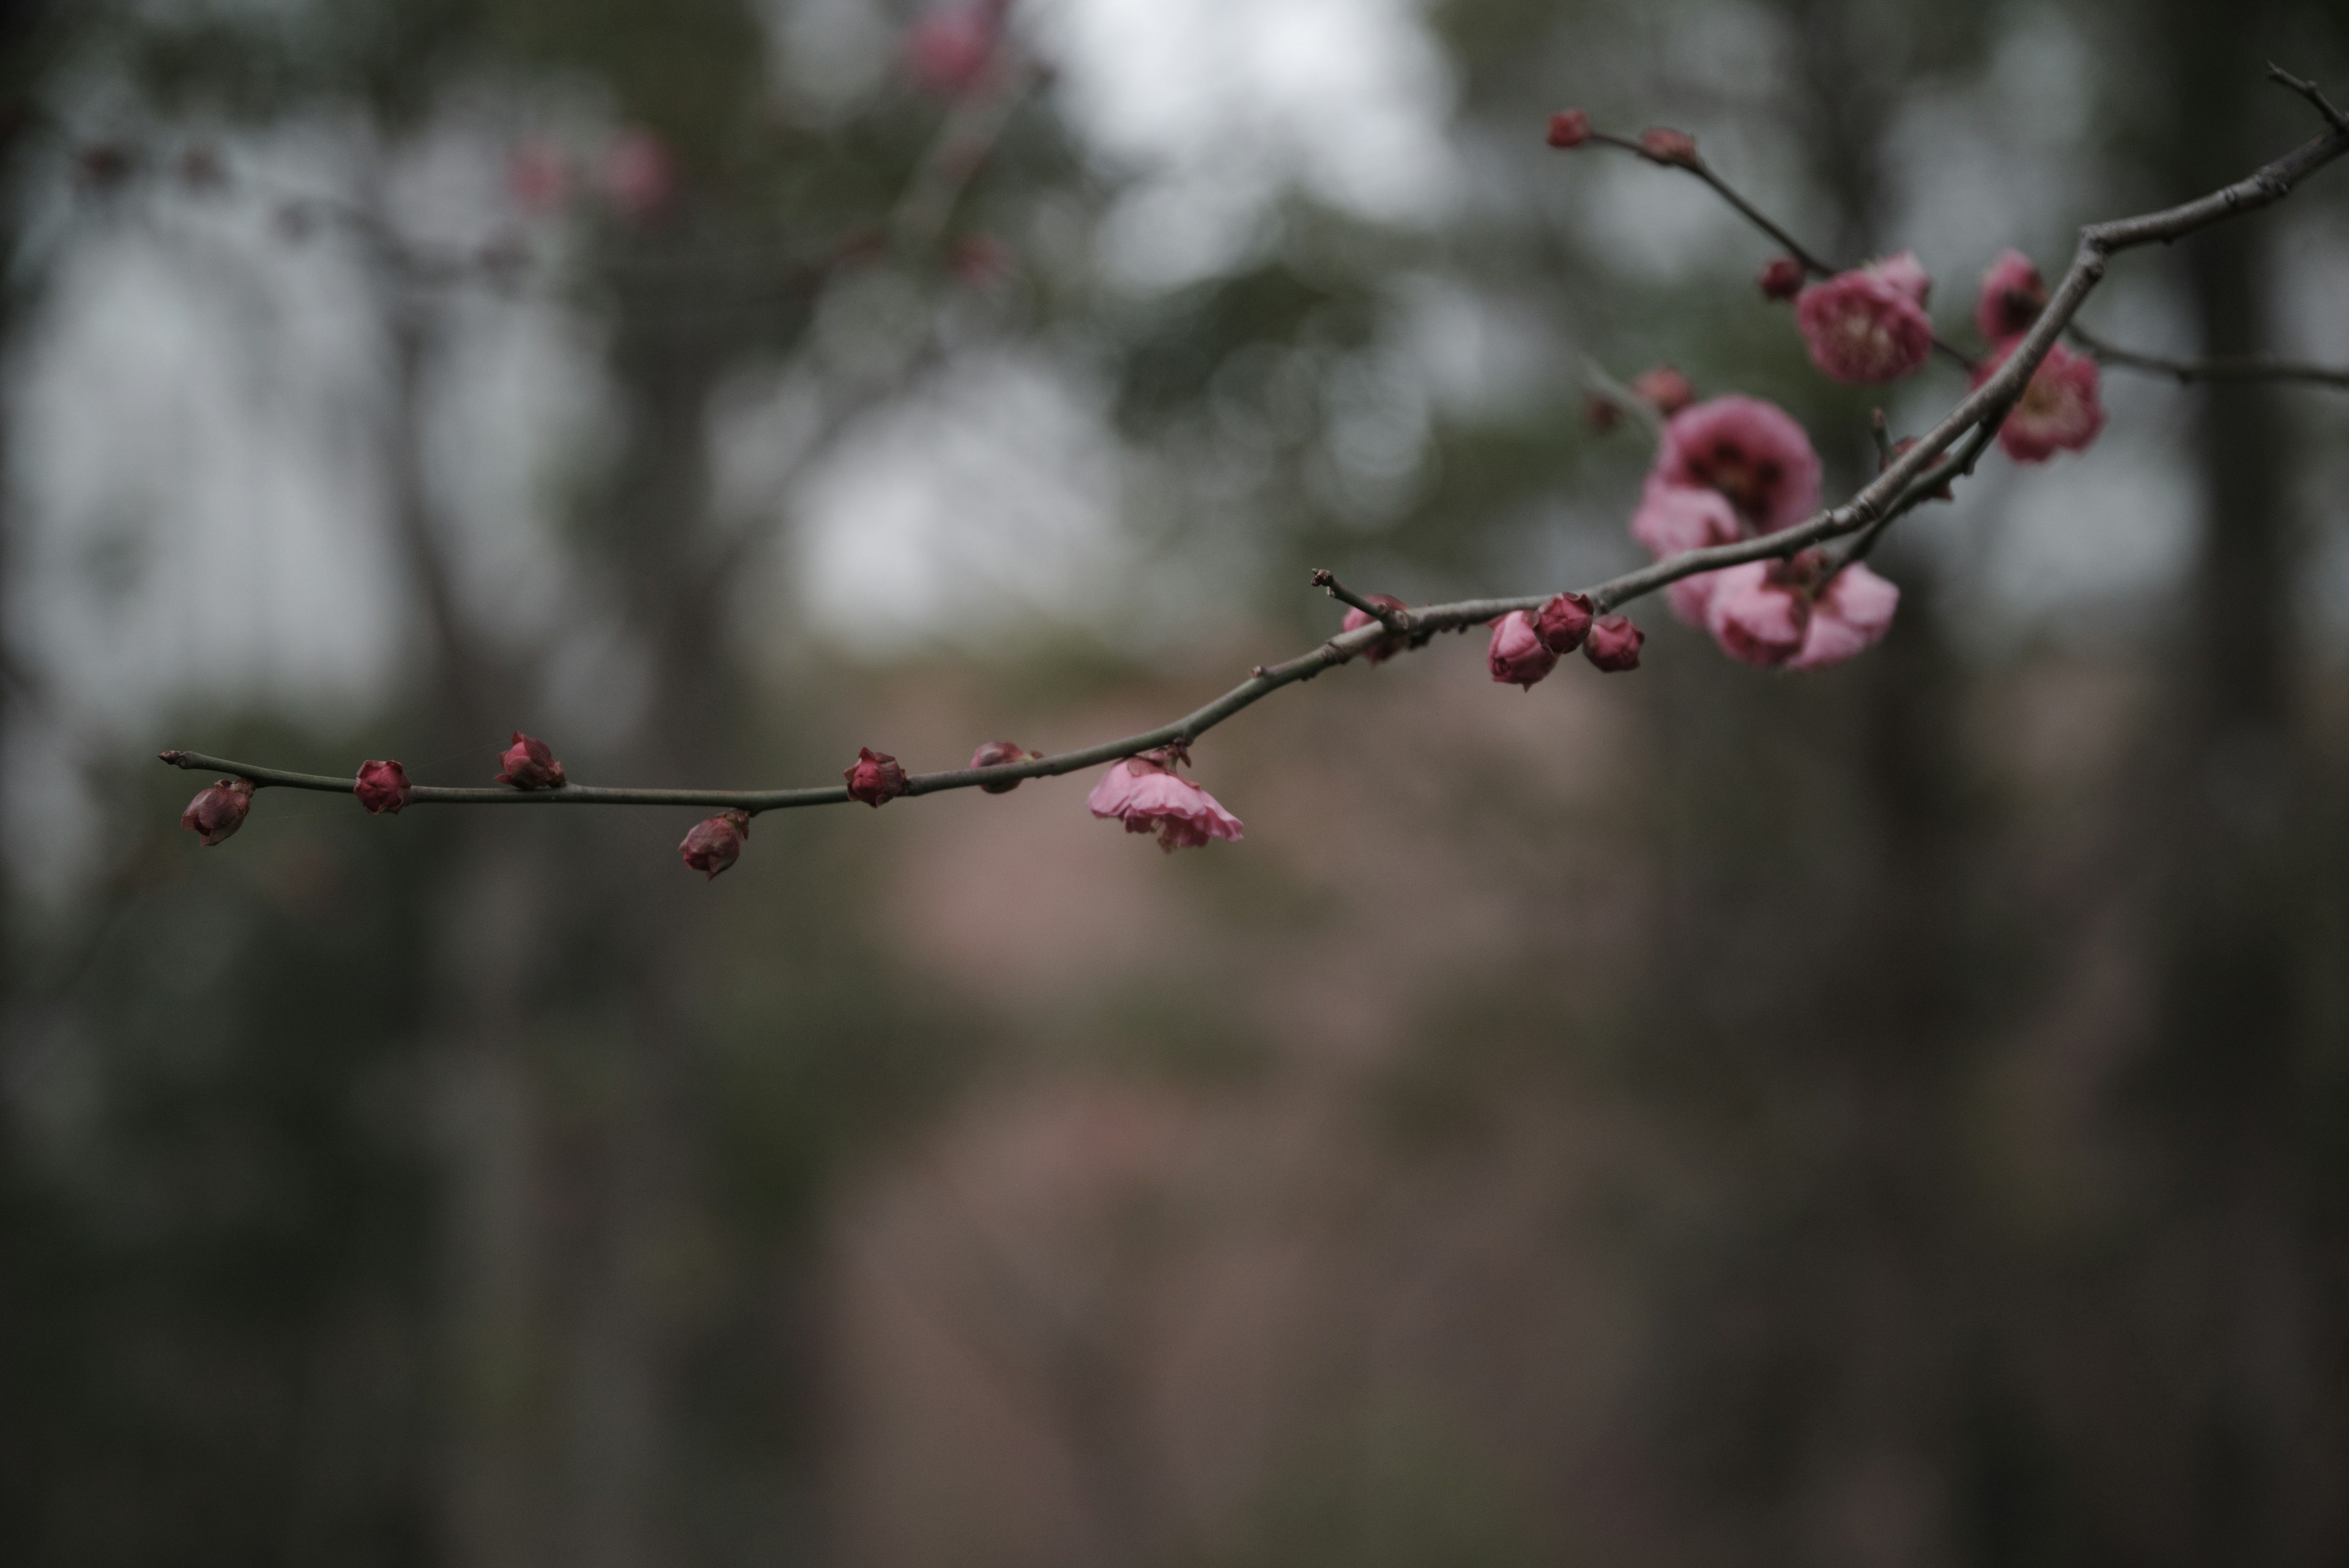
(1673, 519)
(873, 777)
(998, 753)
(1150, 797)
(1782, 279)
(538, 177)
(1384, 648)
(639, 175)
(218, 810)
(530, 765)
(2059, 409)
(1869, 324)
(715, 843)
(1569, 128)
(2013, 295)
(1850, 615)
(950, 51)
(1516, 655)
(1664, 389)
(1664, 145)
(1562, 621)
(1752, 452)
(1613, 644)
(382, 786)
(1759, 612)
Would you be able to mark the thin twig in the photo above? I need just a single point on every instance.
(2313, 93)
(2218, 368)
(1394, 620)
(1621, 397)
(1899, 488)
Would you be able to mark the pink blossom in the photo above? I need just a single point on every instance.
(1675, 518)
(1149, 797)
(530, 765)
(1563, 622)
(1866, 327)
(716, 843)
(381, 786)
(1850, 615)
(873, 777)
(950, 51)
(1782, 279)
(1569, 128)
(1753, 452)
(639, 175)
(1664, 389)
(1904, 272)
(1613, 644)
(1759, 612)
(1517, 655)
(538, 177)
(218, 810)
(2058, 411)
(1001, 754)
(1384, 648)
(2013, 295)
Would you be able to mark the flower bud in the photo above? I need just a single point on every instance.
(1569, 128)
(996, 754)
(1782, 279)
(1664, 145)
(1384, 648)
(218, 811)
(382, 786)
(530, 765)
(1664, 389)
(1613, 644)
(1601, 413)
(874, 777)
(1563, 622)
(716, 843)
(1517, 655)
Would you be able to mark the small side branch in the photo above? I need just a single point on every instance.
(1394, 620)
(2218, 367)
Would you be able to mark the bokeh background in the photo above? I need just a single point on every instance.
(1895, 1115)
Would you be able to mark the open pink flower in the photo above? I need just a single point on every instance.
(1850, 616)
(2013, 295)
(1516, 655)
(381, 786)
(1753, 452)
(1759, 611)
(218, 810)
(1869, 324)
(1150, 797)
(714, 844)
(1675, 518)
(2058, 411)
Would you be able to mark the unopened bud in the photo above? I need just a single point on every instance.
(1782, 279)
(716, 843)
(1569, 128)
(1386, 647)
(1665, 145)
(1517, 656)
(1664, 389)
(1613, 644)
(530, 765)
(874, 777)
(382, 786)
(996, 754)
(1563, 622)
(218, 811)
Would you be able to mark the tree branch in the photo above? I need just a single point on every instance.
(1900, 487)
(2218, 367)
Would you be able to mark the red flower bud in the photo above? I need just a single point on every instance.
(218, 810)
(715, 844)
(530, 765)
(995, 755)
(1664, 389)
(1386, 647)
(1664, 145)
(1601, 413)
(1613, 644)
(1782, 279)
(1516, 655)
(382, 786)
(874, 777)
(1563, 622)
(1569, 128)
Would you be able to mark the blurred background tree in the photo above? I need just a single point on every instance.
(1891, 1116)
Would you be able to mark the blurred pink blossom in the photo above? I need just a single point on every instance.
(1759, 612)
(1850, 616)
(1869, 324)
(950, 51)
(1751, 451)
(2058, 411)
(639, 175)
(538, 177)
(2013, 295)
